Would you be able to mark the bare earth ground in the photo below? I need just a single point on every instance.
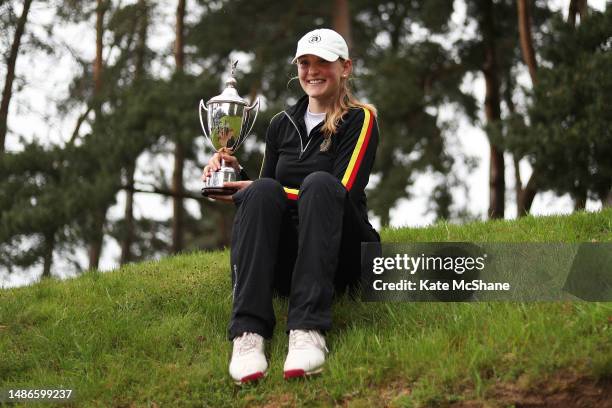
(562, 390)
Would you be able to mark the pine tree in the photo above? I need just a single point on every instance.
(568, 140)
(10, 70)
(408, 79)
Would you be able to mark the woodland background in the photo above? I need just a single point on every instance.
(132, 101)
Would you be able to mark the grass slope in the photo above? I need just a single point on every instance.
(154, 334)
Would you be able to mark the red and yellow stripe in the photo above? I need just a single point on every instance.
(358, 152)
(292, 193)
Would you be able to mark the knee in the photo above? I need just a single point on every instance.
(266, 189)
(321, 181)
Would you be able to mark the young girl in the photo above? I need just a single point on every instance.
(298, 228)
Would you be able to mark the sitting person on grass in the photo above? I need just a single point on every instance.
(298, 228)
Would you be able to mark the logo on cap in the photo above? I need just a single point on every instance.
(314, 39)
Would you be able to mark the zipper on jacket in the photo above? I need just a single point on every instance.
(302, 148)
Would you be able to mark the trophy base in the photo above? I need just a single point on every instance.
(214, 185)
(208, 191)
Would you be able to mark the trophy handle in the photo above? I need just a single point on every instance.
(203, 106)
(251, 123)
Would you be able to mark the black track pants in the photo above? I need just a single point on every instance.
(307, 253)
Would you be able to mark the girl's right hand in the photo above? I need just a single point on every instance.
(214, 163)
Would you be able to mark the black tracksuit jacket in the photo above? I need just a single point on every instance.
(291, 154)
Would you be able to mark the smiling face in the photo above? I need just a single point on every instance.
(321, 79)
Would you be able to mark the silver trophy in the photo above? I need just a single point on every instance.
(230, 119)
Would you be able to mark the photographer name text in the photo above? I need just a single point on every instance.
(436, 285)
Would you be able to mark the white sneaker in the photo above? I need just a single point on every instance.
(306, 353)
(248, 361)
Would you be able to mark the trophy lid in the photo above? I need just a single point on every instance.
(229, 94)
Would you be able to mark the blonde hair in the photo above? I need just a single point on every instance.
(345, 101)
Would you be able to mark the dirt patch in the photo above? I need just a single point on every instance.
(562, 390)
(383, 398)
(281, 401)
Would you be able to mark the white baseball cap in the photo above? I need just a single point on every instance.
(324, 43)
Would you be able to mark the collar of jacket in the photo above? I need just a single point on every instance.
(298, 110)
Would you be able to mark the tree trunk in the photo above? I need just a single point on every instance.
(577, 7)
(385, 219)
(497, 181)
(48, 255)
(10, 73)
(177, 188)
(527, 194)
(97, 69)
(524, 17)
(583, 10)
(179, 150)
(95, 245)
(342, 20)
(571, 14)
(98, 214)
(128, 237)
(179, 44)
(580, 200)
(142, 40)
(396, 27)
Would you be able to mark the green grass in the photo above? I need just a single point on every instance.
(155, 333)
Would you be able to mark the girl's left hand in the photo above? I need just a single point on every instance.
(235, 184)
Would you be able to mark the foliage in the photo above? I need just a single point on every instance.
(405, 76)
(568, 139)
(52, 196)
(421, 73)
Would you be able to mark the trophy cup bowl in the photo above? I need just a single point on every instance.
(229, 120)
